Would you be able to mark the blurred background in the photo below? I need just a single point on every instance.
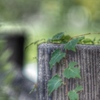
(24, 21)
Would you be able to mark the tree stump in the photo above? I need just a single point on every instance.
(88, 58)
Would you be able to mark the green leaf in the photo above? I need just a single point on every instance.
(54, 83)
(80, 40)
(56, 56)
(71, 71)
(73, 95)
(78, 88)
(71, 44)
(65, 39)
(58, 36)
(87, 41)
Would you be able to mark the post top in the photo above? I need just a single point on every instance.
(51, 45)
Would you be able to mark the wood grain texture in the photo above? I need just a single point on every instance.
(88, 58)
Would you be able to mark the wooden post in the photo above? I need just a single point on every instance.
(88, 58)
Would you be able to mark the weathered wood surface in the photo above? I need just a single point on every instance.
(88, 58)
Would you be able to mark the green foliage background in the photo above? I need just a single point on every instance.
(44, 18)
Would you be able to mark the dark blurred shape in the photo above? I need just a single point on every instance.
(16, 44)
